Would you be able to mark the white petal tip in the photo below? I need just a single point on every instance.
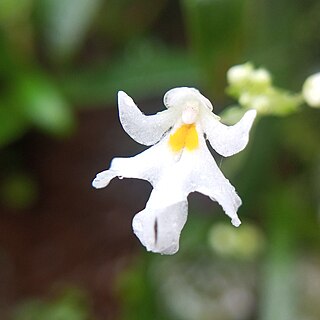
(236, 222)
(98, 184)
(252, 113)
(124, 98)
(121, 94)
(102, 179)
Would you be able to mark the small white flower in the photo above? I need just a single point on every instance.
(240, 74)
(178, 163)
(261, 77)
(311, 90)
(260, 103)
(246, 99)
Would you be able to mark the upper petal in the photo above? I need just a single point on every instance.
(181, 96)
(146, 130)
(227, 140)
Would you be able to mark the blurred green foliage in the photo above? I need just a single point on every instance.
(70, 304)
(19, 191)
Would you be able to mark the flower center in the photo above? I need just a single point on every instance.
(185, 137)
(190, 113)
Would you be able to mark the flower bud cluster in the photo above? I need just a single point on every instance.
(245, 75)
(253, 89)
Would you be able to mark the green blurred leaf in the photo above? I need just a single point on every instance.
(18, 191)
(124, 20)
(71, 304)
(12, 124)
(137, 292)
(245, 243)
(145, 69)
(65, 24)
(282, 214)
(43, 105)
(215, 31)
(12, 11)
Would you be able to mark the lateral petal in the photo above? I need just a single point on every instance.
(148, 165)
(227, 140)
(103, 178)
(144, 129)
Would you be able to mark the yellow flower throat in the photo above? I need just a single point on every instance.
(185, 137)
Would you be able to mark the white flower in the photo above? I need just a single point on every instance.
(311, 90)
(261, 77)
(260, 103)
(245, 75)
(178, 163)
(240, 74)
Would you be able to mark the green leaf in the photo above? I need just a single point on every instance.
(12, 124)
(43, 105)
(12, 11)
(71, 304)
(65, 24)
(145, 69)
(18, 191)
(215, 30)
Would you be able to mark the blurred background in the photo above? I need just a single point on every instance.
(67, 251)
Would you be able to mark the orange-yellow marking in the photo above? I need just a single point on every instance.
(185, 137)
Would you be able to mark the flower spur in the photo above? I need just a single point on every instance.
(178, 162)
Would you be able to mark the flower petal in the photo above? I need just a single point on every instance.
(180, 96)
(144, 129)
(148, 165)
(103, 178)
(199, 172)
(227, 140)
(311, 90)
(159, 229)
(177, 164)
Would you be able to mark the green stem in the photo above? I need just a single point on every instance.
(278, 289)
(278, 295)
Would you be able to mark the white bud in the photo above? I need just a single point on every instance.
(260, 103)
(261, 77)
(245, 99)
(311, 90)
(239, 74)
